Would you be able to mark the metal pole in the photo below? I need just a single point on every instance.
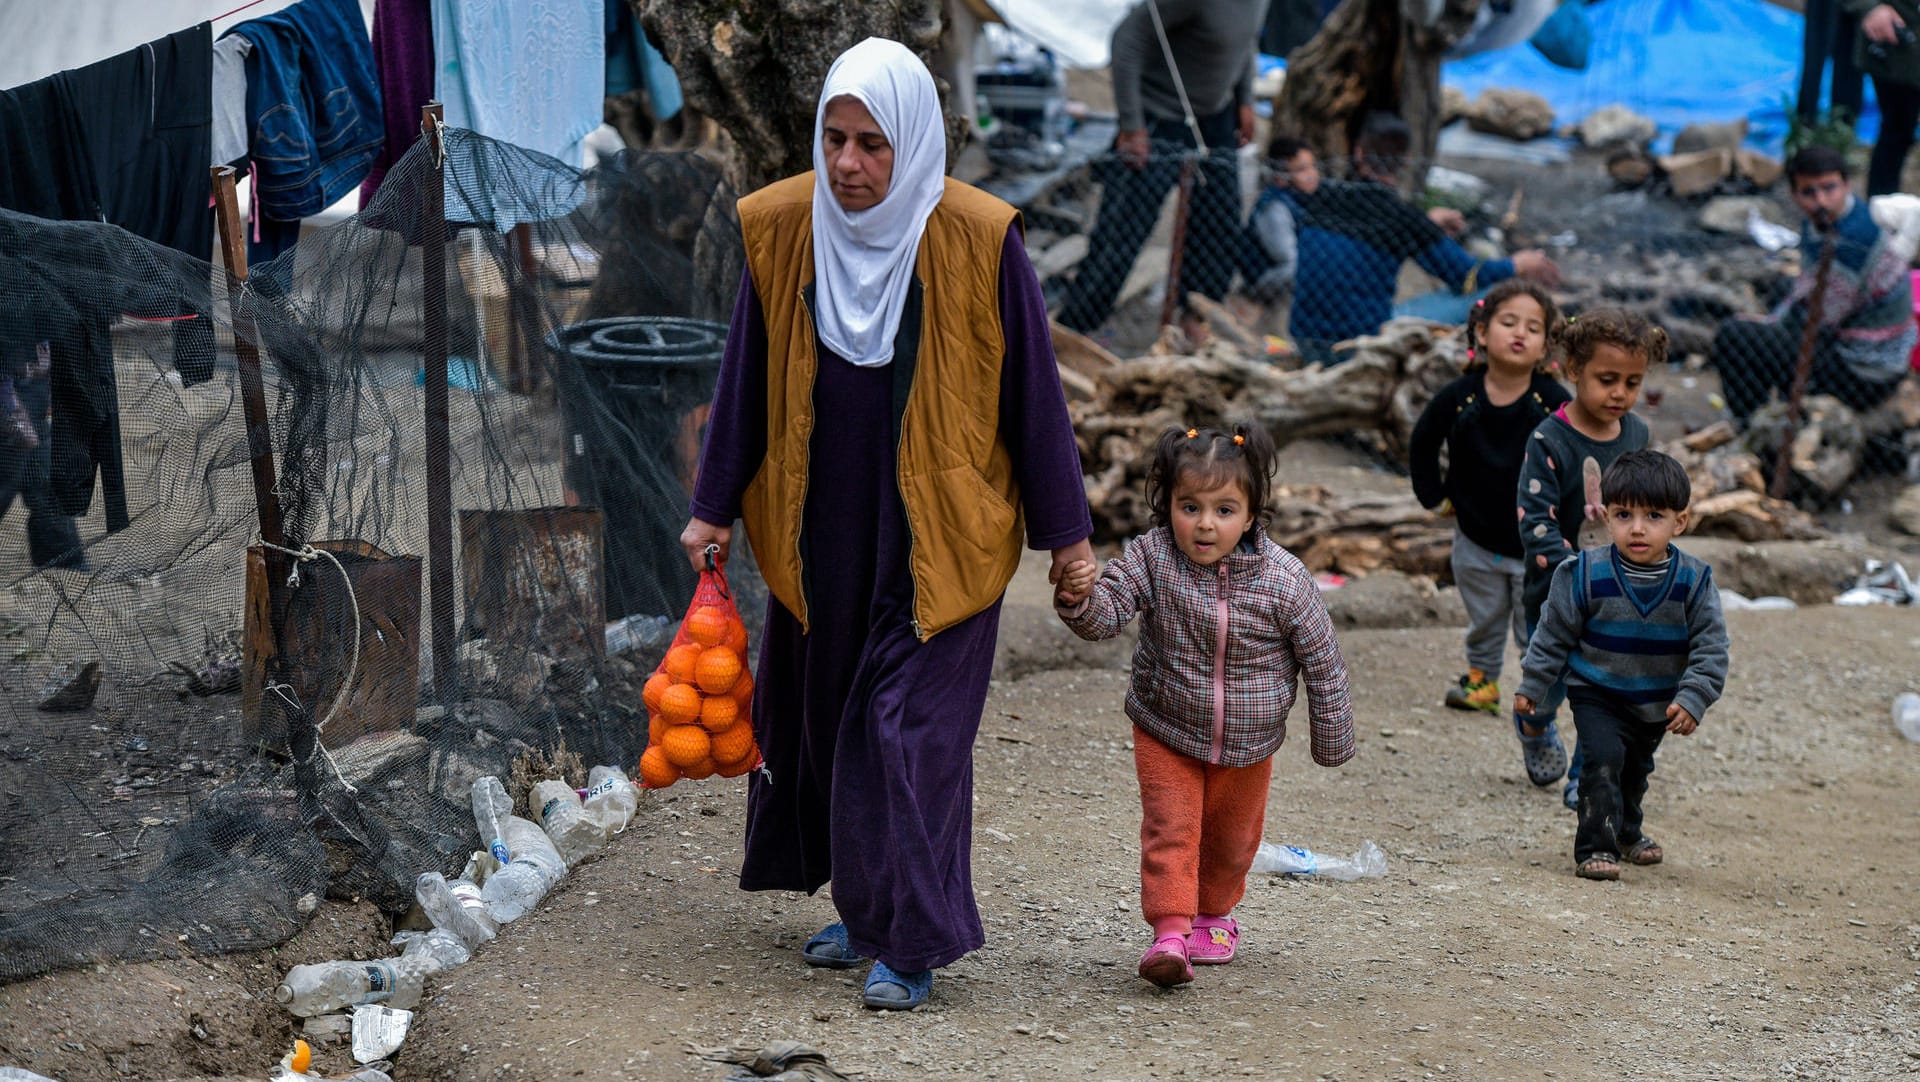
(433, 260)
(1176, 260)
(1809, 339)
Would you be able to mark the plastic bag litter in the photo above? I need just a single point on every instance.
(1367, 863)
(1883, 584)
(1731, 602)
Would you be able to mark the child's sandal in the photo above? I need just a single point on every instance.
(1603, 866)
(1165, 963)
(1645, 851)
(1214, 941)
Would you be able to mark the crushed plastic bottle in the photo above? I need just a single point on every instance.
(638, 632)
(556, 807)
(1906, 715)
(455, 907)
(329, 986)
(491, 807)
(611, 799)
(535, 866)
(1368, 863)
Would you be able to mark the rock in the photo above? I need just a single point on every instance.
(1696, 137)
(506, 671)
(1729, 213)
(1630, 167)
(1390, 599)
(1616, 125)
(71, 687)
(1698, 172)
(379, 757)
(1460, 188)
(1807, 572)
(1454, 104)
(1759, 169)
(1516, 114)
(1904, 515)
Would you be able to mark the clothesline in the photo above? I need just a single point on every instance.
(238, 10)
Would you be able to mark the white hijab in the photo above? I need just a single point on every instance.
(863, 260)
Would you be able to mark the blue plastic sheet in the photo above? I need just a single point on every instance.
(1678, 62)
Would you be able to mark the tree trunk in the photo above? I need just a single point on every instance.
(1371, 56)
(755, 66)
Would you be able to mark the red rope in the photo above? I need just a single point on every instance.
(241, 8)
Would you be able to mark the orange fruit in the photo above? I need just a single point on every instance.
(743, 691)
(655, 771)
(702, 769)
(718, 713)
(657, 684)
(737, 639)
(734, 770)
(733, 745)
(685, 746)
(681, 704)
(708, 625)
(681, 661)
(656, 726)
(717, 670)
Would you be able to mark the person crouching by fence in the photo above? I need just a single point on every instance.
(1269, 246)
(1637, 631)
(1229, 622)
(1866, 333)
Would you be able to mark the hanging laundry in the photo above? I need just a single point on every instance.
(527, 72)
(634, 64)
(403, 57)
(314, 111)
(124, 141)
(230, 100)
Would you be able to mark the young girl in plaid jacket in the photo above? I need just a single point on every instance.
(1229, 619)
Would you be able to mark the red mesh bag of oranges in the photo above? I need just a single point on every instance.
(699, 700)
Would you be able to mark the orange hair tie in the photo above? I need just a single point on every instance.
(1239, 439)
(1192, 432)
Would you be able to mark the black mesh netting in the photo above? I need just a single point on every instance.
(160, 791)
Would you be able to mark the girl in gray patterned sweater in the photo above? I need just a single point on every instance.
(1230, 621)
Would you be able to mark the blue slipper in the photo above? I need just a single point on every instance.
(890, 990)
(830, 949)
(1545, 757)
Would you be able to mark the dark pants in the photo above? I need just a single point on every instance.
(52, 538)
(1130, 202)
(1899, 111)
(1827, 34)
(1618, 748)
(1756, 359)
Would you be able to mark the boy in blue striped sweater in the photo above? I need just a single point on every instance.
(1636, 628)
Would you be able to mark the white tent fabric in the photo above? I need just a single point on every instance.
(44, 38)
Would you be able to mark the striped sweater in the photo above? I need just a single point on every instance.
(1221, 648)
(1648, 646)
(1869, 299)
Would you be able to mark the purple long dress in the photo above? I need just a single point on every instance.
(868, 732)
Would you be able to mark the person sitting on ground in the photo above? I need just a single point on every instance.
(1637, 631)
(1269, 252)
(1354, 235)
(1866, 315)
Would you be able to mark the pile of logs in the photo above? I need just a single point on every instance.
(1120, 407)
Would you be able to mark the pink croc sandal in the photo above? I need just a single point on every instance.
(1165, 963)
(1214, 941)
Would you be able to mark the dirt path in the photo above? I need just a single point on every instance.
(1780, 939)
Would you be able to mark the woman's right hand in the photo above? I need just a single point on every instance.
(698, 536)
(1882, 24)
(1538, 266)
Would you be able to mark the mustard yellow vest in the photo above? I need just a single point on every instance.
(956, 477)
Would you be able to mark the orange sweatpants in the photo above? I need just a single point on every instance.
(1199, 830)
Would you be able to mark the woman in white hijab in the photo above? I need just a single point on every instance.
(888, 412)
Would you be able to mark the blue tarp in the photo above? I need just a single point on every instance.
(1678, 62)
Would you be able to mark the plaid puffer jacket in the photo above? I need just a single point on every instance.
(1221, 647)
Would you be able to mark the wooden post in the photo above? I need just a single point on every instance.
(433, 260)
(1809, 341)
(1176, 259)
(253, 394)
(523, 312)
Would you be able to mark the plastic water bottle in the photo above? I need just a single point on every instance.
(556, 807)
(329, 986)
(456, 907)
(1368, 863)
(533, 870)
(637, 632)
(491, 807)
(1906, 715)
(611, 799)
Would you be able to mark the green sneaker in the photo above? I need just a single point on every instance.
(1475, 692)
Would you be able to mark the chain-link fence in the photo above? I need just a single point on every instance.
(1308, 256)
(273, 595)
